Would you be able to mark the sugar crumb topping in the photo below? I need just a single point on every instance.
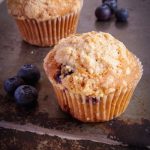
(42, 9)
(94, 52)
(93, 64)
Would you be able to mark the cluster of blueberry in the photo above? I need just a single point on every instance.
(109, 8)
(22, 85)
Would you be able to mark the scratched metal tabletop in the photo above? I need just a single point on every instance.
(46, 127)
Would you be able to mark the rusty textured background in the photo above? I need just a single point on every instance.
(46, 126)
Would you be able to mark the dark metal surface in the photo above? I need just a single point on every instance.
(46, 126)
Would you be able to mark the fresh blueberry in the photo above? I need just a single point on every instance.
(112, 4)
(103, 13)
(11, 84)
(29, 73)
(122, 15)
(25, 95)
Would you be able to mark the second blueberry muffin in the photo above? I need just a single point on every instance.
(93, 75)
(45, 22)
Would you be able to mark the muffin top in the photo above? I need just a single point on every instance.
(92, 64)
(42, 9)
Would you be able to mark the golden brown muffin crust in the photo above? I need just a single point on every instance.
(100, 62)
(42, 9)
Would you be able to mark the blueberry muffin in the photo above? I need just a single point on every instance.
(45, 22)
(94, 75)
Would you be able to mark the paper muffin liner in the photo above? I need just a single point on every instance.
(104, 109)
(48, 33)
(100, 109)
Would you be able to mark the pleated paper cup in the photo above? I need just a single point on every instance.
(103, 109)
(48, 33)
(97, 109)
